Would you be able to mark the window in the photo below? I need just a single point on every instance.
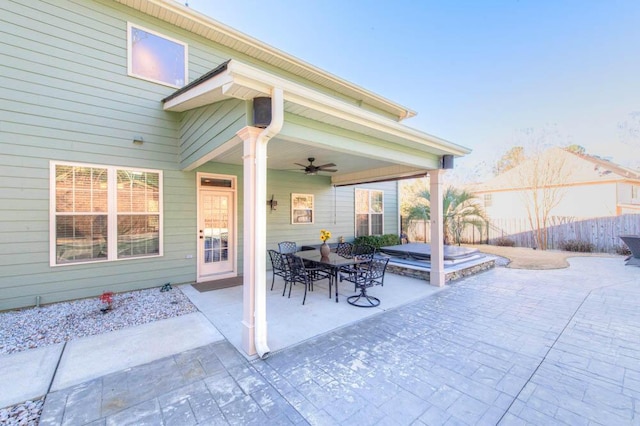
(102, 213)
(488, 200)
(301, 209)
(155, 57)
(369, 212)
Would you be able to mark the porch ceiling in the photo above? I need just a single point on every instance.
(283, 154)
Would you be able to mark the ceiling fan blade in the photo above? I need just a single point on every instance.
(301, 165)
(327, 170)
(326, 165)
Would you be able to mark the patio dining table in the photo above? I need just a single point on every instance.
(333, 261)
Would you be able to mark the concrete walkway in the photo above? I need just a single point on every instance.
(503, 347)
(31, 374)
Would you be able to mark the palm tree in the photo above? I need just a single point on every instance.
(459, 208)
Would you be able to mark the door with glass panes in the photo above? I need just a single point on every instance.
(216, 239)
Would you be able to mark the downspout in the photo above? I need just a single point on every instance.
(274, 127)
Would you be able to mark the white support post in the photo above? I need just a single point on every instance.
(250, 136)
(254, 319)
(437, 228)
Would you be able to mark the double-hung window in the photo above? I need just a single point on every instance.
(369, 212)
(101, 213)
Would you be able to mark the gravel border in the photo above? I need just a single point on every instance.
(32, 328)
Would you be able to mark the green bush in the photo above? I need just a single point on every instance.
(577, 246)
(378, 240)
(504, 242)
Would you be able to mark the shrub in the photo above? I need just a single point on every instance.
(623, 250)
(378, 240)
(504, 242)
(577, 246)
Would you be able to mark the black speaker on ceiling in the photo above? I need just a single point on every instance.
(447, 161)
(261, 112)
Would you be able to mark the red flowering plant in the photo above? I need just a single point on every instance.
(106, 300)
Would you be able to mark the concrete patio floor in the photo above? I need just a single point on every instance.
(289, 321)
(502, 347)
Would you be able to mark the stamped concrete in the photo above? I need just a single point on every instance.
(503, 347)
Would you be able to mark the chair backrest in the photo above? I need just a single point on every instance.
(364, 251)
(295, 265)
(276, 260)
(377, 268)
(345, 250)
(287, 247)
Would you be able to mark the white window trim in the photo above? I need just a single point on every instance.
(355, 210)
(130, 72)
(112, 213)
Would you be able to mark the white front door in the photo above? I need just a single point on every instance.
(216, 227)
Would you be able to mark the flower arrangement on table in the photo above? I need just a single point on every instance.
(324, 248)
(325, 235)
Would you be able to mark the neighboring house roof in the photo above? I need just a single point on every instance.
(581, 169)
(176, 14)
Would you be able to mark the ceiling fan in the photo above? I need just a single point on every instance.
(311, 169)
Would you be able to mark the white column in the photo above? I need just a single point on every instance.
(437, 230)
(251, 266)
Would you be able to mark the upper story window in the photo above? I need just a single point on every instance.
(155, 57)
(488, 200)
(103, 213)
(369, 212)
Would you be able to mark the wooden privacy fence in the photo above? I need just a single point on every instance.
(602, 232)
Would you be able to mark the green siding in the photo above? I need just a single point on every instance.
(206, 128)
(334, 208)
(65, 95)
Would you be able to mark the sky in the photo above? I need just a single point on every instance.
(487, 75)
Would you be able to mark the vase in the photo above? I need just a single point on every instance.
(325, 249)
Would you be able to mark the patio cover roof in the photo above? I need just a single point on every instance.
(396, 151)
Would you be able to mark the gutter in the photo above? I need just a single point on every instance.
(260, 291)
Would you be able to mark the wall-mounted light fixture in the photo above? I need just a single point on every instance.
(138, 140)
(272, 203)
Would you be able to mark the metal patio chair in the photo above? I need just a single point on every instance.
(280, 268)
(305, 275)
(364, 279)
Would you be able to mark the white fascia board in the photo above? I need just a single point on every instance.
(208, 92)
